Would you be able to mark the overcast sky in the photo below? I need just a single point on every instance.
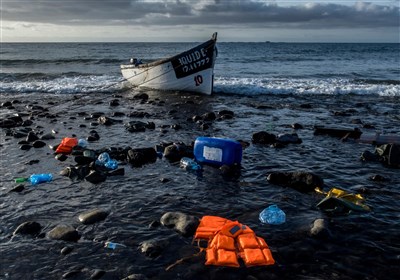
(196, 20)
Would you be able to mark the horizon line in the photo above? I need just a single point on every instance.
(124, 42)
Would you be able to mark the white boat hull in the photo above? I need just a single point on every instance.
(192, 71)
(163, 78)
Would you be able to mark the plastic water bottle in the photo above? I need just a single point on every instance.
(21, 180)
(189, 164)
(35, 179)
(111, 164)
(272, 215)
(105, 160)
(40, 178)
(113, 245)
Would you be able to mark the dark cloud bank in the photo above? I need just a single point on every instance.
(172, 13)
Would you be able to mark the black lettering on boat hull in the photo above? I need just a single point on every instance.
(194, 60)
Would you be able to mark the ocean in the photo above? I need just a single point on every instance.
(241, 68)
(60, 89)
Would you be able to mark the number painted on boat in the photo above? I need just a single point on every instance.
(198, 80)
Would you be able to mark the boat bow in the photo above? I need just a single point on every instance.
(191, 70)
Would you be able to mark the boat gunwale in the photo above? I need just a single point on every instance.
(168, 59)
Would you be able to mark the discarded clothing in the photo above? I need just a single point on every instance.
(229, 241)
(390, 154)
(337, 197)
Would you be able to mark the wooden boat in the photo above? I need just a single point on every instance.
(192, 70)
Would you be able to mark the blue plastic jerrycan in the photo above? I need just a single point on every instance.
(217, 151)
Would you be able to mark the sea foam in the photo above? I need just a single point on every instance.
(257, 86)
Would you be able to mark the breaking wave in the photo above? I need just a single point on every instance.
(259, 86)
(66, 84)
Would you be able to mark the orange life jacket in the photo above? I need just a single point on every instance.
(229, 241)
(209, 226)
(66, 145)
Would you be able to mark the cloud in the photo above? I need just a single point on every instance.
(259, 13)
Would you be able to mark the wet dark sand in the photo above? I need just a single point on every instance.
(361, 245)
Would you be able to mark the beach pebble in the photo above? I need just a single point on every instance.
(118, 114)
(305, 106)
(6, 104)
(18, 188)
(153, 248)
(71, 273)
(154, 224)
(91, 138)
(210, 116)
(186, 225)
(116, 172)
(297, 126)
(135, 277)
(66, 250)
(23, 142)
(38, 144)
(19, 134)
(94, 136)
(105, 120)
(97, 274)
(138, 114)
(225, 117)
(142, 96)
(75, 173)
(135, 126)
(7, 123)
(368, 126)
(378, 178)
(114, 102)
(82, 160)
(63, 232)
(230, 171)
(11, 122)
(204, 126)
(18, 117)
(92, 216)
(25, 147)
(369, 156)
(27, 123)
(226, 113)
(301, 181)
(96, 115)
(244, 144)
(31, 137)
(176, 126)
(288, 139)
(47, 136)
(61, 157)
(195, 118)
(164, 180)
(95, 177)
(263, 137)
(32, 161)
(30, 227)
(141, 156)
(319, 229)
